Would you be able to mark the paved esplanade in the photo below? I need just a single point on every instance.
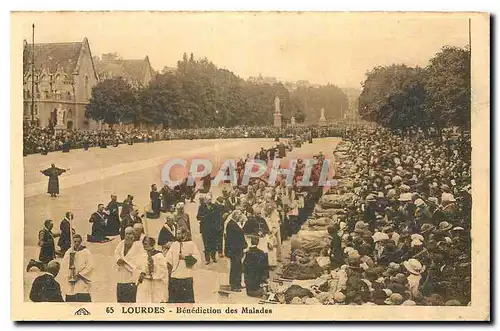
(98, 173)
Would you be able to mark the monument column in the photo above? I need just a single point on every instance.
(322, 118)
(277, 112)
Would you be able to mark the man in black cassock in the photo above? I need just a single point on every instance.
(127, 206)
(154, 197)
(64, 241)
(45, 287)
(209, 227)
(235, 243)
(53, 173)
(99, 221)
(47, 247)
(113, 226)
(255, 269)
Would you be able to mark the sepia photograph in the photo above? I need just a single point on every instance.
(250, 166)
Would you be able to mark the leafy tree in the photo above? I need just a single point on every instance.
(300, 117)
(113, 101)
(394, 96)
(448, 87)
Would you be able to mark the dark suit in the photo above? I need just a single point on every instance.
(234, 246)
(45, 289)
(256, 270)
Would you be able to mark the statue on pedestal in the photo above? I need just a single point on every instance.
(277, 112)
(292, 121)
(322, 118)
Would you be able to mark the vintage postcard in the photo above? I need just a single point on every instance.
(186, 166)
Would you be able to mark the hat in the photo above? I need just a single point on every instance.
(433, 200)
(370, 198)
(447, 197)
(419, 202)
(360, 226)
(444, 226)
(417, 236)
(387, 292)
(400, 278)
(379, 236)
(405, 197)
(426, 227)
(409, 303)
(394, 299)
(414, 266)
(339, 297)
(458, 228)
(405, 188)
(415, 242)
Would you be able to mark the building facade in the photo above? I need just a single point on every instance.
(57, 85)
(137, 72)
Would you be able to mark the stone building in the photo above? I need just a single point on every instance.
(64, 74)
(137, 72)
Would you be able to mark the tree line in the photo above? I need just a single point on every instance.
(199, 94)
(437, 96)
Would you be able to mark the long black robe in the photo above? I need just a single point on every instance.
(98, 221)
(154, 196)
(113, 226)
(47, 246)
(53, 174)
(64, 241)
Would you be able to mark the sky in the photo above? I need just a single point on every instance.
(336, 48)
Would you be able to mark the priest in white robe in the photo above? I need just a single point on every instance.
(77, 269)
(153, 279)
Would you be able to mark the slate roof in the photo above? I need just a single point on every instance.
(133, 70)
(51, 56)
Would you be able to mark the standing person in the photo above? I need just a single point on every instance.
(129, 219)
(220, 214)
(99, 221)
(53, 173)
(168, 233)
(209, 228)
(154, 274)
(47, 247)
(182, 258)
(235, 243)
(113, 226)
(181, 217)
(67, 231)
(127, 206)
(155, 201)
(127, 255)
(45, 287)
(77, 262)
(274, 236)
(255, 269)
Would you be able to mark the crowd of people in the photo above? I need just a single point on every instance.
(395, 230)
(44, 140)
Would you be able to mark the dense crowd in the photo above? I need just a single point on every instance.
(395, 230)
(45, 140)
